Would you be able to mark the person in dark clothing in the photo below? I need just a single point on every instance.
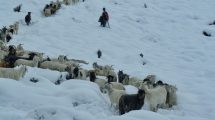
(104, 18)
(28, 18)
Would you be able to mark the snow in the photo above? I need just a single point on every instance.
(167, 32)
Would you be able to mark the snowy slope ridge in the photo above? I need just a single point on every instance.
(167, 32)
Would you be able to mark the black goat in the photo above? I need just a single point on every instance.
(28, 18)
(99, 53)
(17, 8)
(131, 102)
(92, 76)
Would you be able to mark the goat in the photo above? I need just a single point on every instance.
(151, 78)
(31, 63)
(111, 75)
(131, 102)
(53, 66)
(16, 27)
(171, 98)
(99, 53)
(114, 95)
(155, 96)
(17, 8)
(28, 18)
(134, 81)
(13, 73)
(92, 75)
(77, 73)
(115, 85)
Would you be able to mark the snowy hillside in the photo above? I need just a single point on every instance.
(167, 32)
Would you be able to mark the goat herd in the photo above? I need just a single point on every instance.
(155, 92)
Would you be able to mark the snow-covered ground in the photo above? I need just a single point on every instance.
(167, 32)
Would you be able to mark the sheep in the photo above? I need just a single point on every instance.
(13, 73)
(31, 63)
(114, 95)
(155, 96)
(53, 66)
(131, 102)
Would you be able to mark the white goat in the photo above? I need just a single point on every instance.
(115, 95)
(171, 95)
(47, 12)
(19, 47)
(25, 53)
(3, 54)
(16, 27)
(63, 59)
(13, 73)
(53, 66)
(115, 85)
(155, 96)
(31, 63)
(134, 81)
(152, 78)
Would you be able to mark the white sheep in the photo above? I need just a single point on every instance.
(156, 97)
(13, 73)
(53, 66)
(115, 95)
(31, 63)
